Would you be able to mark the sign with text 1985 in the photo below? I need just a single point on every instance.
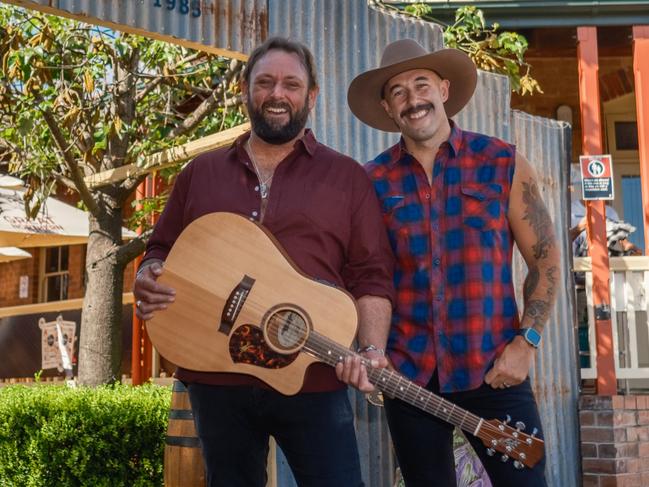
(596, 177)
(183, 7)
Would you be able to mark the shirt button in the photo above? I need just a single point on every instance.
(256, 188)
(436, 262)
(427, 196)
(254, 213)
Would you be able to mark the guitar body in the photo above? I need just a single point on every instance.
(236, 295)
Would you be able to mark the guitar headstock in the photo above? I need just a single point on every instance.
(524, 449)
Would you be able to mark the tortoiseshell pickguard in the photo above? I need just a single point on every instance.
(247, 346)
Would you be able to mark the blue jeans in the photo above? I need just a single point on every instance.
(424, 444)
(314, 430)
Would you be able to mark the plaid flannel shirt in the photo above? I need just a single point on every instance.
(456, 308)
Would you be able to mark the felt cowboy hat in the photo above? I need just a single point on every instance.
(366, 90)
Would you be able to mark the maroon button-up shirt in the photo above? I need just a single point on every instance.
(321, 207)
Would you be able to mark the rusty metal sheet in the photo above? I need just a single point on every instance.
(228, 27)
(546, 144)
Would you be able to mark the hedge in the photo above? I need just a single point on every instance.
(58, 436)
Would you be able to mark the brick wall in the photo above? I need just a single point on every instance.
(615, 440)
(10, 273)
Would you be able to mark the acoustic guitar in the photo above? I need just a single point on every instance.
(242, 306)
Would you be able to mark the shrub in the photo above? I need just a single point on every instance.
(60, 436)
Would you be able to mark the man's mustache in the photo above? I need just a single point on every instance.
(416, 108)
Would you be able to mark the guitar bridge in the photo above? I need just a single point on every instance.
(234, 304)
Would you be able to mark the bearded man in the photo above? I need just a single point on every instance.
(322, 208)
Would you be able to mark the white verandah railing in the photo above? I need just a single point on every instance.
(629, 318)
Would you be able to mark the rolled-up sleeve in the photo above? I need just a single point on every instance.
(370, 261)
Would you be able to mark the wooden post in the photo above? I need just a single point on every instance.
(138, 325)
(147, 347)
(591, 125)
(641, 77)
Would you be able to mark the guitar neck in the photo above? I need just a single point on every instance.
(395, 385)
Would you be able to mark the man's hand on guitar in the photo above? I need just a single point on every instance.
(351, 370)
(149, 295)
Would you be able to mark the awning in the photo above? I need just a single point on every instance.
(56, 224)
(9, 254)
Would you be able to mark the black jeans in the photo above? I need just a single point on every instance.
(314, 430)
(423, 443)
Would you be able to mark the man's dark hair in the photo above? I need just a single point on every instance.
(286, 45)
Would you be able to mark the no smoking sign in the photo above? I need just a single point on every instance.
(596, 177)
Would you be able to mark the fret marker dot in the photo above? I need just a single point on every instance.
(445, 410)
(401, 388)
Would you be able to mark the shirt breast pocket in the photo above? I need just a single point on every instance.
(482, 205)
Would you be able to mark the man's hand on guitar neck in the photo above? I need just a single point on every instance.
(374, 322)
(149, 295)
(351, 370)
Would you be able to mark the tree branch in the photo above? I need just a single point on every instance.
(208, 105)
(129, 251)
(75, 171)
(155, 82)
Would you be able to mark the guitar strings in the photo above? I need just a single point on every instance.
(323, 348)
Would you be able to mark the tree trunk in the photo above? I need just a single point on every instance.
(100, 345)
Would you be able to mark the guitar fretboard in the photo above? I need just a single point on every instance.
(395, 385)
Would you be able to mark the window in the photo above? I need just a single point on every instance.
(55, 275)
(626, 136)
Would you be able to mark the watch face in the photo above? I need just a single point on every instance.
(532, 336)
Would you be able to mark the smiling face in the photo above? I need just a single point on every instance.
(415, 101)
(278, 97)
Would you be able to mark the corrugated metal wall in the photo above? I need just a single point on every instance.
(546, 144)
(232, 25)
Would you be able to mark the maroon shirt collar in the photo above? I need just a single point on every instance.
(308, 142)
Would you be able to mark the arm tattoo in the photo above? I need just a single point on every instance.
(538, 311)
(552, 279)
(531, 281)
(539, 219)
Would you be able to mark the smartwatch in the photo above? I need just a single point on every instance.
(531, 336)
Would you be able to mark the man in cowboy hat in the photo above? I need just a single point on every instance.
(454, 203)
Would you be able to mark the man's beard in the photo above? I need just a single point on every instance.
(273, 133)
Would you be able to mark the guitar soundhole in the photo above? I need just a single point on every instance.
(286, 329)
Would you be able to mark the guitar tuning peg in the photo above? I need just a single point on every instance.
(534, 432)
(520, 425)
(491, 452)
(504, 458)
(518, 465)
(508, 419)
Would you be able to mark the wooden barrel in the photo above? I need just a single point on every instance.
(183, 463)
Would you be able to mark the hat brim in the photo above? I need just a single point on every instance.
(365, 91)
